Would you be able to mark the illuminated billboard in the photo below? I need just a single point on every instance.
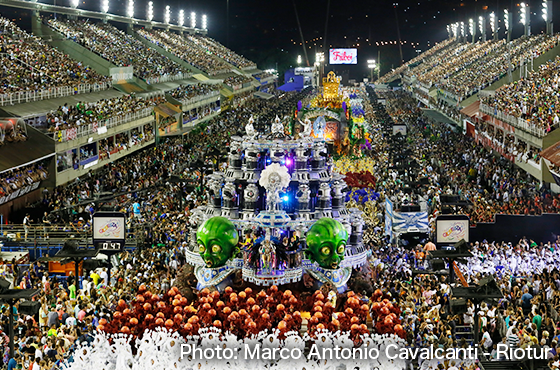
(343, 56)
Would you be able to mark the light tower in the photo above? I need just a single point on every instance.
(167, 14)
(482, 27)
(204, 22)
(181, 17)
(472, 29)
(526, 18)
(493, 26)
(105, 6)
(507, 22)
(449, 31)
(74, 3)
(130, 9)
(150, 11)
(193, 20)
(463, 35)
(547, 16)
(372, 65)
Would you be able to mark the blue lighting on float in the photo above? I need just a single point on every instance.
(285, 198)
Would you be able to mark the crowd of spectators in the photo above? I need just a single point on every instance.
(237, 81)
(492, 184)
(194, 91)
(436, 59)
(534, 99)
(13, 180)
(263, 75)
(416, 60)
(493, 66)
(140, 181)
(457, 62)
(118, 47)
(186, 50)
(30, 64)
(84, 113)
(214, 47)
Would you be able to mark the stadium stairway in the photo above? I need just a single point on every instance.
(73, 49)
(128, 87)
(162, 51)
(87, 57)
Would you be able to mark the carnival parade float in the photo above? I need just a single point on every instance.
(278, 212)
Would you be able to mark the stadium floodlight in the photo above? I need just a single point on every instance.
(130, 9)
(74, 3)
(181, 17)
(150, 11)
(480, 20)
(167, 15)
(204, 22)
(471, 27)
(448, 31)
(193, 20)
(525, 18)
(506, 19)
(547, 16)
(105, 6)
(455, 29)
(493, 22)
(299, 59)
(372, 64)
(462, 29)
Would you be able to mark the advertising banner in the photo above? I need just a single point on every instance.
(343, 56)
(450, 229)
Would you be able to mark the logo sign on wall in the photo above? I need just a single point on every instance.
(450, 229)
(343, 56)
(109, 231)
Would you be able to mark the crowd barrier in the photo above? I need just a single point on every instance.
(517, 122)
(199, 98)
(98, 127)
(51, 93)
(167, 78)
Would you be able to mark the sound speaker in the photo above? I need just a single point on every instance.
(90, 264)
(438, 264)
(461, 246)
(458, 305)
(70, 246)
(30, 308)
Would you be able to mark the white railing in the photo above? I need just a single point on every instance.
(199, 98)
(94, 128)
(517, 122)
(51, 93)
(167, 78)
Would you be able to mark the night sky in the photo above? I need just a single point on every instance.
(267, 31)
